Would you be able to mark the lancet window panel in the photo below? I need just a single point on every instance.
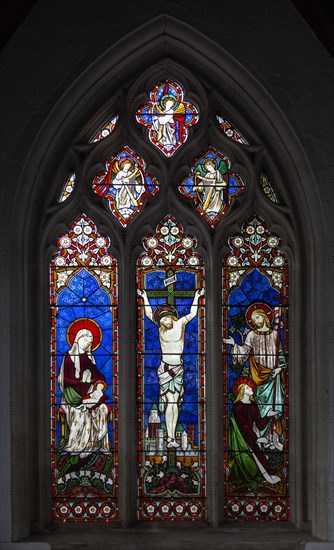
(171, 377)
(84, 376)
(68, 187)
(108, 128)
(255, 361)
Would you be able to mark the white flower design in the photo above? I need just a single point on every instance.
(146, 261)
(187, 242)
(232, 261)
(65, 242)
(106, 260)
(152, 242)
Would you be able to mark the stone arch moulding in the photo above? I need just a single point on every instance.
(155, 43)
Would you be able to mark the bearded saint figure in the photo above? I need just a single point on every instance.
(170, 372)
(267, 365)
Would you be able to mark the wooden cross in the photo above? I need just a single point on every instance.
(169, 292)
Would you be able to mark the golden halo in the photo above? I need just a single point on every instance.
(262, 306)
(88, 324)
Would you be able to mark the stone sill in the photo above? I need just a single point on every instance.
(246, 536)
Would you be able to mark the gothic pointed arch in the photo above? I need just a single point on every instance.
(118, 82)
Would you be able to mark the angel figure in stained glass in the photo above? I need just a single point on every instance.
(124, 183)
(167, 120)
(210, 184)
(128, 182)
(167, 116)
(170, 372)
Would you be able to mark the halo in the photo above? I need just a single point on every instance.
(259, 305)
(212, 160)
(125, 159)
(163, 311)
(239, 381)
(84, 323)
(168, 96)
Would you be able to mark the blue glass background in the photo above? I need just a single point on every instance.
(189, 411)
(96, 307)
(147, 116)
(254, 287)
(233, 185)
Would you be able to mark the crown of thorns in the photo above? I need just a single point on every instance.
(163, 311)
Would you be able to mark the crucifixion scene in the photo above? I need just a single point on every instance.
(171, 344)
(170, 372)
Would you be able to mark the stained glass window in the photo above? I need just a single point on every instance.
(171, 344)
(125, 184)
(171, 382)
(84, 385)
(255, 321)
(167, 116)
(68, 187)
(267, 188)
(107, 129)
(212, 185)
(230, 131)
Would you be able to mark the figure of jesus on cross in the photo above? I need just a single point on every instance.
(170, 372)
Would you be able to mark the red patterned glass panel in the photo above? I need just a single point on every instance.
(212, 185)
(167, 116)
(230, 131)
(125, 184)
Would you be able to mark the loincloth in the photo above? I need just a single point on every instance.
(170, 380)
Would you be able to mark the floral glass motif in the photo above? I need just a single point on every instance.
(212, 185)
(167, 116)
(84, 383)
(125, 184)
(106, 130)
(230, 131)
(267, 188)
(255, 328)
(171, 378)
(68, 187)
